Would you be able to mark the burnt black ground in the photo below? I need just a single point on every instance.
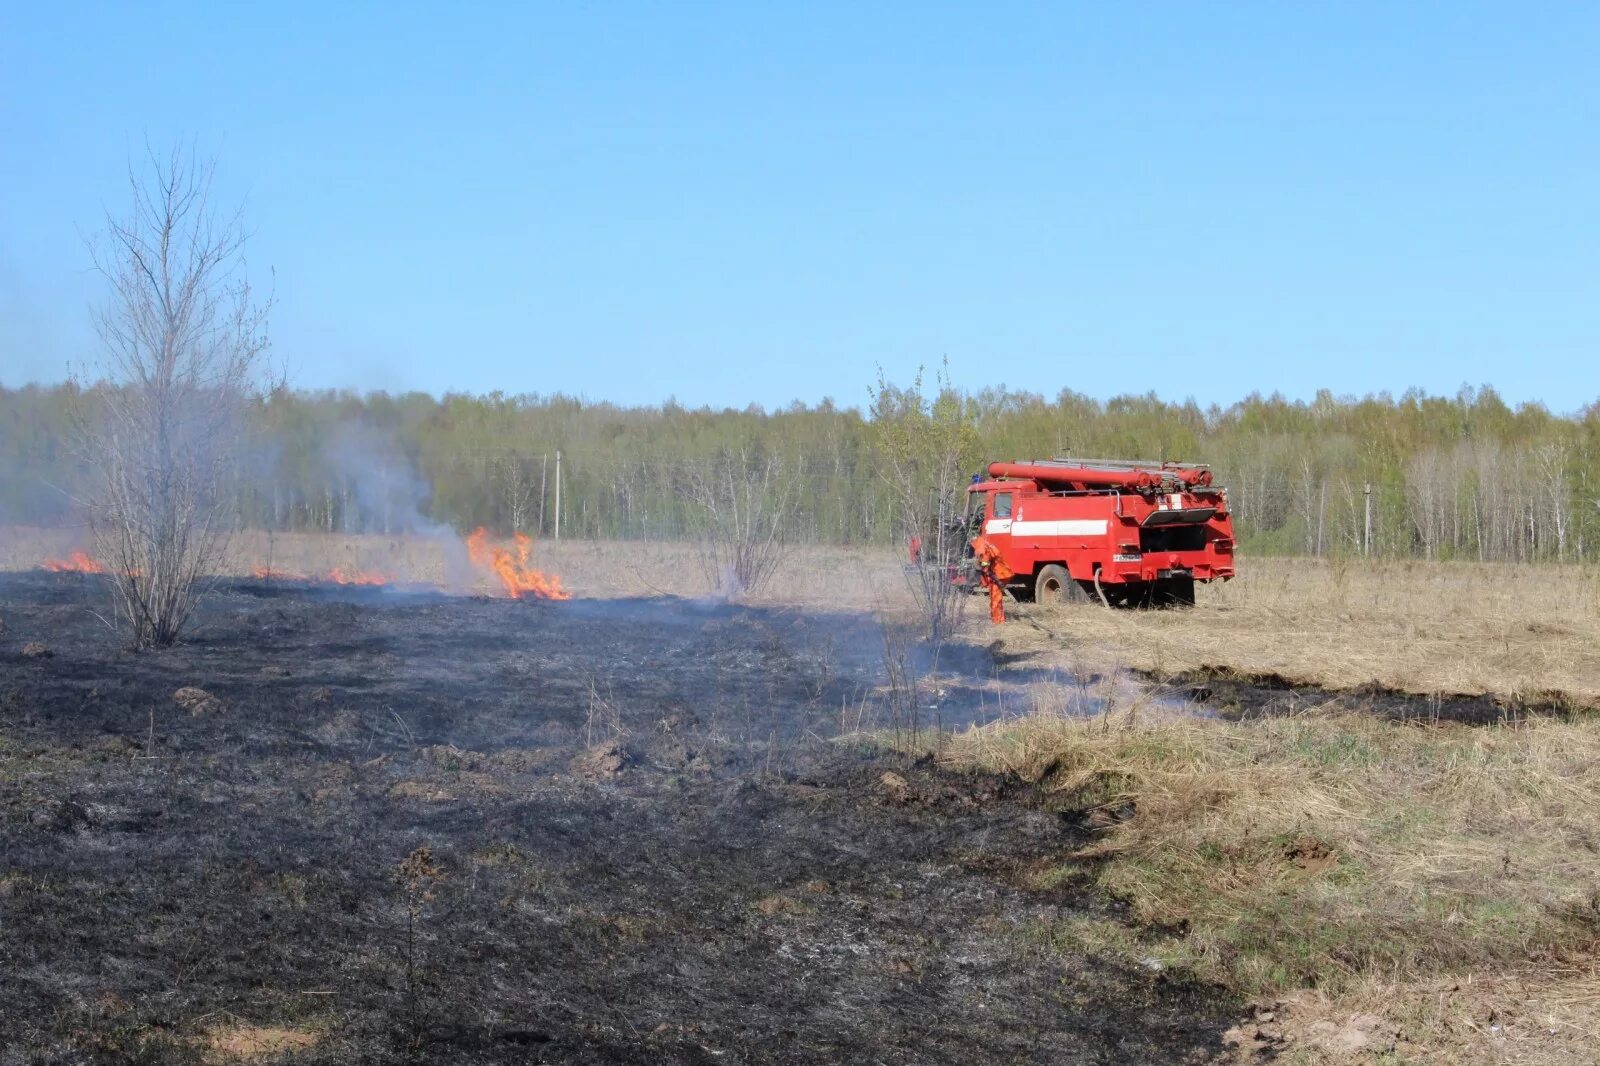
(744, 888)
(1242, 697)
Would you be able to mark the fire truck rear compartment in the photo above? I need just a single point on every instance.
(1172, 538)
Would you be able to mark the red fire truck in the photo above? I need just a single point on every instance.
(1129, 533)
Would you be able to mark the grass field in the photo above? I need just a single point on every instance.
(1442, 881)
(1383, 890)
(812, 576)
(1519, 631)
(1528, 632)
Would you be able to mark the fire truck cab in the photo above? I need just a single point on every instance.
(1130, 533)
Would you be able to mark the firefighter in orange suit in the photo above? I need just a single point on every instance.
(993, 572)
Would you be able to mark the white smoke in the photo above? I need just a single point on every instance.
(388, 495)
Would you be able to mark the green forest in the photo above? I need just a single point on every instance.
(1461, 477)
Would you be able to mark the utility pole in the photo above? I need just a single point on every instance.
(1366, 528)
(1322, 512)
(544, 477)
(558, 493)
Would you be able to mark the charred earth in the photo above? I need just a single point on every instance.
(410, 827)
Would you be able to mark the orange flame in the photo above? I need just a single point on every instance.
(340, 576)
(76, 563)
(518, 578)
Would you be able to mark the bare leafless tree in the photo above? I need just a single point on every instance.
(183, 341)
(925, 445)
(743, 505)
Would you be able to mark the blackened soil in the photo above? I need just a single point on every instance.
(643, 846)
(1238, 696)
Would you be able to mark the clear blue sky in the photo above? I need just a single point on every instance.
(735, 203)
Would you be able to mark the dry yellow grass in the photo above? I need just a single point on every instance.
(1408, 625)
(854, 578)
(811, 576)
(1446, 878)
(250, 1043)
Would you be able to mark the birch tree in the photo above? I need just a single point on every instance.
(183, 342)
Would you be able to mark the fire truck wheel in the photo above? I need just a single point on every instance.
(1054, 586)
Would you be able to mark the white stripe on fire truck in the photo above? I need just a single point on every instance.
(1070, 527)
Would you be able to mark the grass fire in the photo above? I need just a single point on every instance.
(500, 571)
(660, 778)
(317, 794)
(463, 599)
(77, 562)
(517, 578)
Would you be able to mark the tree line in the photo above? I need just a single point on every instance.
(1446, 477)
